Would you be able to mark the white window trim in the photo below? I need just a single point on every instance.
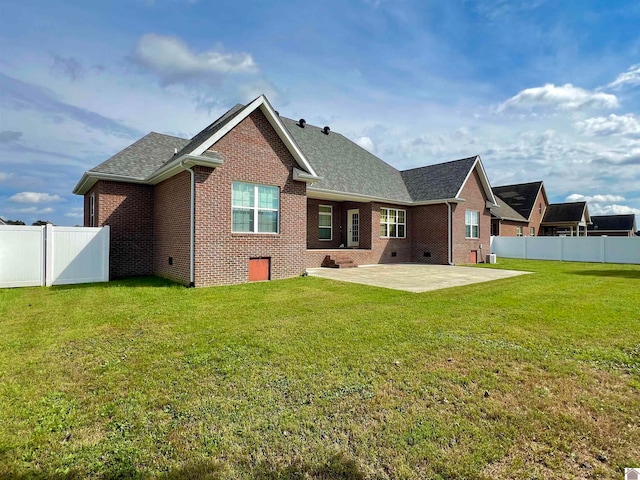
(330, 227)
(471, 224)
(92, 210)
(396, 223)
(256, 210)
(519, 232)
(532, 231)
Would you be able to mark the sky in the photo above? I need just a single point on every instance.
(541, 90)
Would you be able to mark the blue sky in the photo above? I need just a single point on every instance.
(541, 90)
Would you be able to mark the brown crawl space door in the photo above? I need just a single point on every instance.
(474, 256)
(259, 269)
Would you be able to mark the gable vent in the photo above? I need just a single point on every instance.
(326, 130)
(302, 122)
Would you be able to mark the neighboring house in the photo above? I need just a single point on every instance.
(612, 225)
(570, 219)
(519, 209)
(256, 196)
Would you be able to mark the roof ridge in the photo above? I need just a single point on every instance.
(519, 184)
(166, 135)
(473, 157)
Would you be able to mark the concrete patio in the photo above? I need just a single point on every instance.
(413, 277)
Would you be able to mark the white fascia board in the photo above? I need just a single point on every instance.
(484, 180)
(266, 108)
(89, 179)
(175, 167)
(301, 176)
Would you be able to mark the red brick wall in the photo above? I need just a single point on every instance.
(253, 153)
(339, 224)
(128, 209)
(475, 198)
(171, 229)
(510, 229)
(536, 215)
(430, 234)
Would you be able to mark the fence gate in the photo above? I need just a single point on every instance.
(49, 255)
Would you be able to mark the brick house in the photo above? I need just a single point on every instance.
(258, 196)
(519, 209)
(612, 225)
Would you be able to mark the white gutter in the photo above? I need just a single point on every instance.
(192, 243)
(450, 234)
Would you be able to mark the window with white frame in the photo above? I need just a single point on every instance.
(519, 232)
(472, 224)
(92, 210)
(393, 223)
(325, 222)
(255, 208)
(532, 231)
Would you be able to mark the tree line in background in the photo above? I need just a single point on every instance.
(20, 222)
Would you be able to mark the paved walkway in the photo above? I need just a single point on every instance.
(413, 277)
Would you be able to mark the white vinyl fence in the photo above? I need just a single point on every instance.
(572, 249)
(49, 255)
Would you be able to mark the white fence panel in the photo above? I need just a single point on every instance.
(542, 248)
(582, 249)
(622, 250)
(77, 255)
(48, 255)
(571, 249)
(21, 256)
(509, 247)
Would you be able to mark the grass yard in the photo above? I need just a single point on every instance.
(536, 376)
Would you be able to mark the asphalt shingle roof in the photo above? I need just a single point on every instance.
(345, 166)
(207, 132)
(520, 197)
(622, 223)
(504, 212)
(143, 157)
(564, 212)
(437, 182)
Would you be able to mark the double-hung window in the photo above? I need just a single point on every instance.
(393, 223)
(255, 208)
(325, 222)
(532, 231)
(472, 224)
(519, 232)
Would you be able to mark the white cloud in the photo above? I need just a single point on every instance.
(34, 197)
(30, 210)
(77, 212)
(631, 78)
(607, 198)
(562, 97)
(4, 176)
(366, 143)
(597, 209)
(172, 60)
(612, 125)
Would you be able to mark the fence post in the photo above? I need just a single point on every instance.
(48, 254)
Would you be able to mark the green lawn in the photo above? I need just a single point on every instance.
(536, 376)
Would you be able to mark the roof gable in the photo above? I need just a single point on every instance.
(613, 223)
(210, 135)
(444, 181)
(566, 213)
(521, 197)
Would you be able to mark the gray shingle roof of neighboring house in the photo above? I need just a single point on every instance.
(2, 222)
(613, 223)
(504, 212)
(564, 212)
(437, 182)
(345, 166)
(520, 197)
(143, 157)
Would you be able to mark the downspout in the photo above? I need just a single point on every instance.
(192, 236)
(450, 234)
